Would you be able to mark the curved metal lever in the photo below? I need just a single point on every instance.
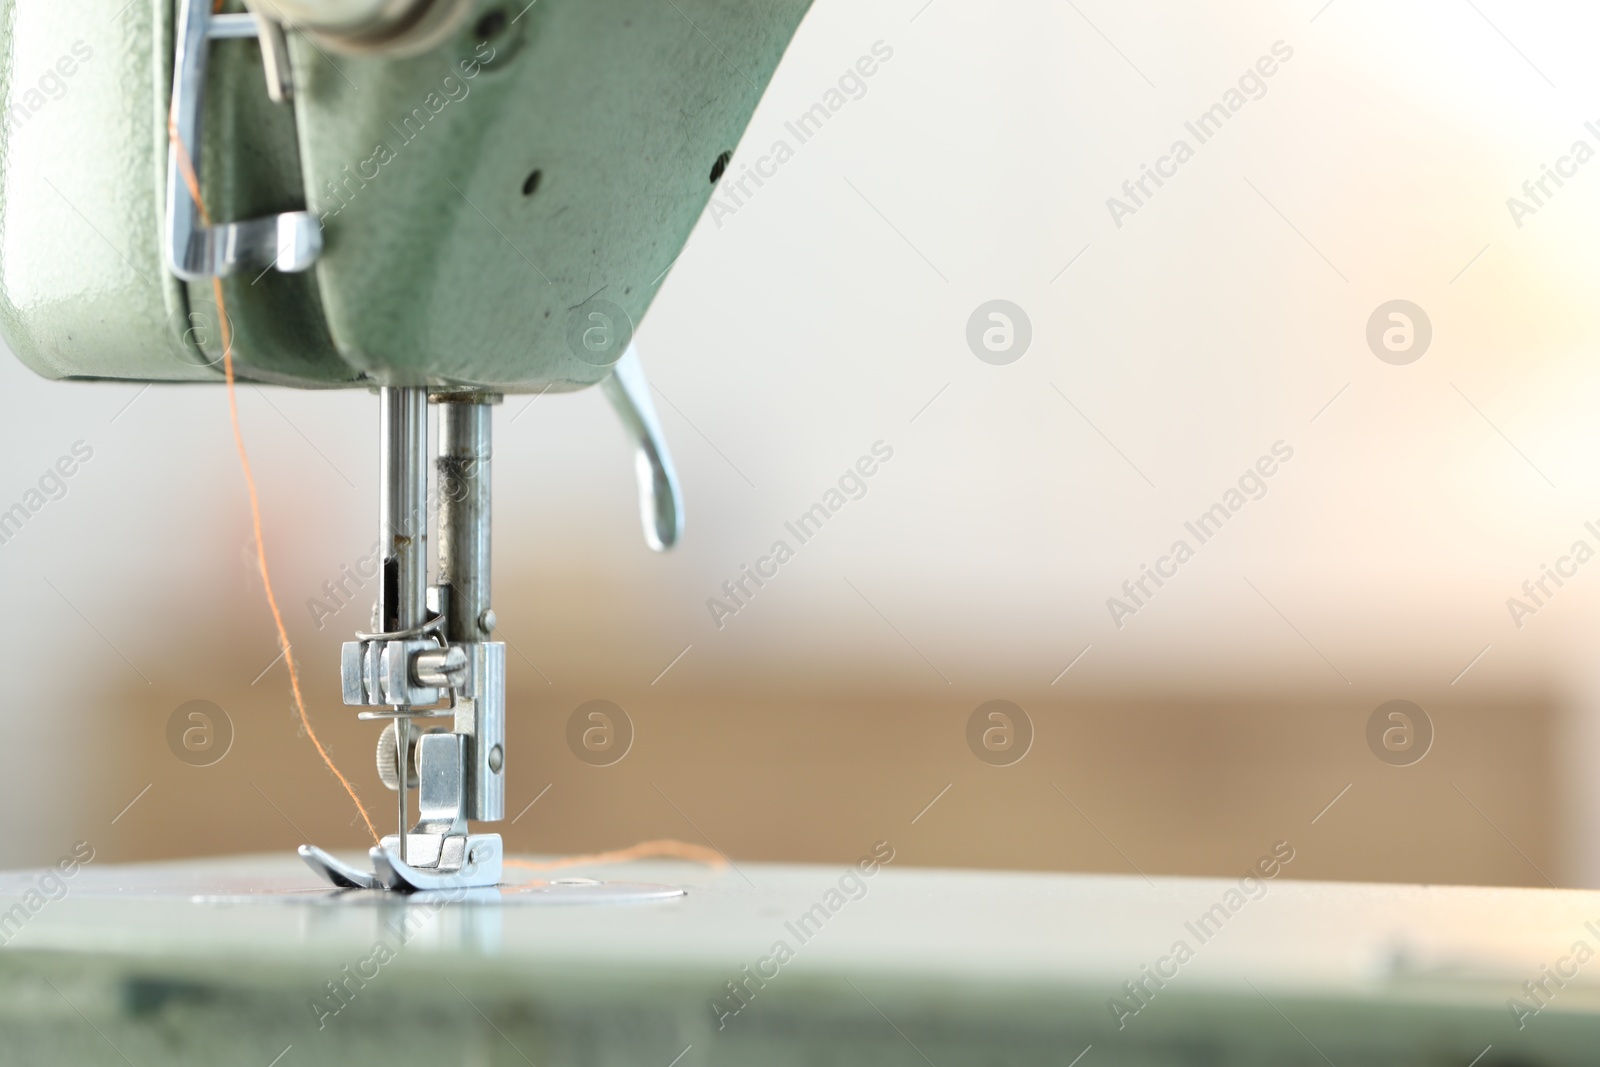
(660, 499)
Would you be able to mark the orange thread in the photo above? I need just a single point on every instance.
(186, 167)
(660, 849)
(261, 560)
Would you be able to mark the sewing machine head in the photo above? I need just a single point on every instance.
(443, 200)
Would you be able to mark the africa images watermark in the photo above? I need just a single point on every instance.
(1138, 993)
(1203, 528)
(852, 485)
(341, 990)
(1537, 190)
(52, 486)
(1566, 567)
(1206, 126)
(734, 190)
(48, 888)
(599, 732)
(340, 592)
(28, 100)
(1399, 732)
(851, 886)
(451, 90)
(1539, 992)
(999, 732)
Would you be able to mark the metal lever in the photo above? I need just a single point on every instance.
(660, 499)
(195, 251)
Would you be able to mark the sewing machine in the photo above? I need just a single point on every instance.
(450, 201)
(445, 201)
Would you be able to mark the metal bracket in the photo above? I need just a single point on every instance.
(196, 250)
(481, 723)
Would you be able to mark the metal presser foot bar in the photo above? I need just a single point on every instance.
(430, 657)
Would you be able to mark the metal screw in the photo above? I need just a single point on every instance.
(487, 620)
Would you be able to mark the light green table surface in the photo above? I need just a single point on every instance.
(905, 967)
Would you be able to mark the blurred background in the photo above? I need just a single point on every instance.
(1170, 347)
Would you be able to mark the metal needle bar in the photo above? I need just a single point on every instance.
(403, 494)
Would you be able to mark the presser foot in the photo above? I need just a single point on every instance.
(470, 862)
(335, 871)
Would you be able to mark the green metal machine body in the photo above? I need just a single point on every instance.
(475, 200)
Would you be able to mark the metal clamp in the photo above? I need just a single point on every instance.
(412, 673)
(197, 251)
